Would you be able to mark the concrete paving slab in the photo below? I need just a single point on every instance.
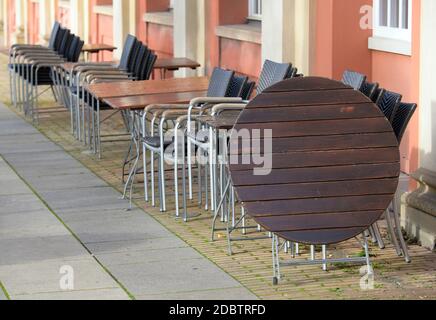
(138, 251)
(135, 245)
(108, 294)
(214, 295)
(172, 276)
(35, 246)
(46, 275)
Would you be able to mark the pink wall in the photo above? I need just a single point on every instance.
(101, 28)
(400, 73)
(340, 43)
(243, 57)
(158, 37)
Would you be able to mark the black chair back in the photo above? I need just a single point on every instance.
(248, 89)
(54, 35)
(126, 55)
(78, 50)
(236, 86)
(134, 56)
(149, 67)
(272, 72)
(219, 82)
(354, 79)
(60, 39)
(68, 46)
(402, 118)
(370, 89)
(292, 73)
(141, 60)
(65, 43)
(388, 103)
(72, 48)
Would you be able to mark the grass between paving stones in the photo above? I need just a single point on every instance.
(5, 292)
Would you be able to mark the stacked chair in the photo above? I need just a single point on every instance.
(190, 140)
(32, 66)
(399, 115)
(136, 63)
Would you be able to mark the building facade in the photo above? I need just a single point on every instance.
(391, 41)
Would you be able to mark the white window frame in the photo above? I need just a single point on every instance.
(397, 33)
(254, 14)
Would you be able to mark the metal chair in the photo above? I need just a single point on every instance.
(400, 122)
(388, 103)
(370, 89)
(272, 72)
(222, 83)
(354, 79)
(37, 70)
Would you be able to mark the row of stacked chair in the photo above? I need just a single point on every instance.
(136, 63)
(399, 115)
(31, 66)
(224, 87)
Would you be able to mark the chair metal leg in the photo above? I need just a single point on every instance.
(392, 234)
(400, 234)
(378, 236)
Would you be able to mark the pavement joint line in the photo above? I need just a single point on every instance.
(131, 296)
(5, 292)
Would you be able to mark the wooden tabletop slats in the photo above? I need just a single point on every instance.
(319, 127)
(300, 84)
(308, 98)
(282, 114)
(175, 63)
(335, 161)
(322, 174)
(140, 102)
(95, 48)
(131, 88)
(321, 189)
(322, 143)
(318, 205)
(316, 159)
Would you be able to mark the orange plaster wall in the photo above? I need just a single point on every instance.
(243, 57)
(33, 22)
(101, 28)
(400, 73)
(159, 38)
(340, 42)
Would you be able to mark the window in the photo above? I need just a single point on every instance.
(392, 19)
(255, 9)
(171, 4)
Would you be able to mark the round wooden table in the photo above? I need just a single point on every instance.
(335, 161)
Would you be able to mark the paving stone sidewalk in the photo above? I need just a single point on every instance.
(54, 212)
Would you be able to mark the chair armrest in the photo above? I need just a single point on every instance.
(216, 109)
(214, 100)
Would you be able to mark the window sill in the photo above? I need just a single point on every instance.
(106, 10)
(165, 18)
(249, 32)
(390, 45)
